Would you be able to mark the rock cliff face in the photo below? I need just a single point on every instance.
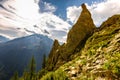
(77, 36)
(99, 59)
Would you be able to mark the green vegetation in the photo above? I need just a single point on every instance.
(15, 76)
(58, 75)
(32, 69)
(30, 74)
(44, 61)
(113, 63)
(99, 58)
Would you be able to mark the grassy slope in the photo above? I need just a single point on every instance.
(99, 59)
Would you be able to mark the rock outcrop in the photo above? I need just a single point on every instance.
(115, 19)
(83, 28)
(77, 36)
(100, 57)
(53, 54)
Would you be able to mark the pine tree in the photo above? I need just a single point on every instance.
(32, 69)
(44, 62)
(15, 76)
(26, 75)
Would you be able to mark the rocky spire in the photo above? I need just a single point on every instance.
(81, 30)
(53, 55)
(76, 38)
(54, 48)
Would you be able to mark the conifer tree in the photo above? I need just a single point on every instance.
(15, 76)
(25, 75)
(32, 69)
(44, 62)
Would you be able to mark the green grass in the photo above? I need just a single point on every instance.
(57, 75)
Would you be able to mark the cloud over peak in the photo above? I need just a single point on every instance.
(100, 11)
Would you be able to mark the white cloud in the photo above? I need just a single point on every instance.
(100, 11)
(73, 13)
(49, 7)
(27, 20)
(27, 9)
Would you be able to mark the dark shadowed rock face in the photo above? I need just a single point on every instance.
(77, 36)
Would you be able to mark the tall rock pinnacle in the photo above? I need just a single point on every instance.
(53, 55)
(81, 30)
(77, 36)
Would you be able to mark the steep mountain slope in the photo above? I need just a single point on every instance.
(98, 59)
(15, 55)
(3, 39)
(23, 17)
(76, 39)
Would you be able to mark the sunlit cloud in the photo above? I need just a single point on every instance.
(27, 9)
(23, 17)
(100, 11)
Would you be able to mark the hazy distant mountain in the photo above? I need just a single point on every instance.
(22, 18)
(16, 54)
(3, 39)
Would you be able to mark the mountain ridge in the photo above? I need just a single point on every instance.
(15, 54)
(97, 60)
(3, 39)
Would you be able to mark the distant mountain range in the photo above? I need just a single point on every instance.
(15, 55)
(26, 32)
(3, 39)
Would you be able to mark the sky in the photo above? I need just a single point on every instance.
(69, 10)
(24, 17)
(62, 5)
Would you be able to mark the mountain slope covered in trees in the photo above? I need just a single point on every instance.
(15, 55)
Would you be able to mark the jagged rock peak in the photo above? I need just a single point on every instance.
(85, 14)
(84, 6)
(56, 43)
(82, 29)
(53, 55)
(55, 47)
